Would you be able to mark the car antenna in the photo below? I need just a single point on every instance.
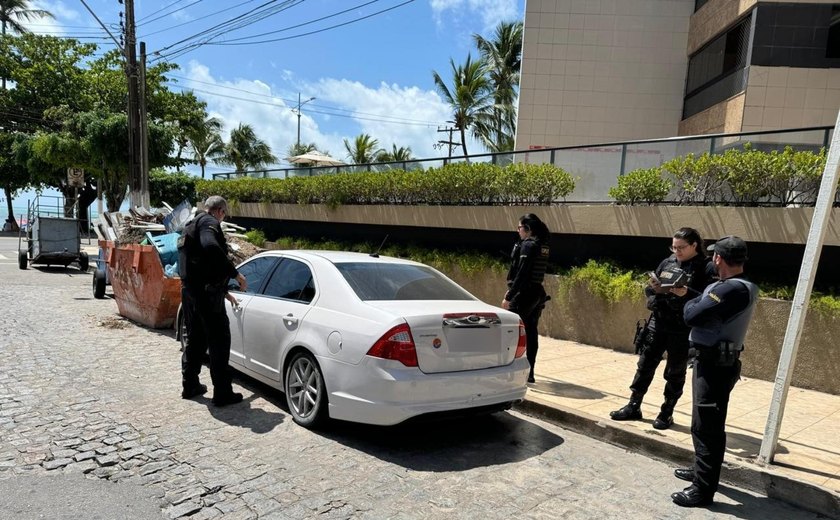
(375, 254)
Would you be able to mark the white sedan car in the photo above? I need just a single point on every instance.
(372, 339)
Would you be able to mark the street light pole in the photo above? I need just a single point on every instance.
(300, 104)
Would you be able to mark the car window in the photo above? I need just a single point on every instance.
(291, 280)
(254, 271)
(383, 281)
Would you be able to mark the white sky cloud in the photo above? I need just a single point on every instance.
(367, 110)
(491, 11)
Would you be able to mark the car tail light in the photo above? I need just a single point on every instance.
(396, 344)
(521, 344)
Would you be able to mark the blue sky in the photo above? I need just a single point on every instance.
(373, 75)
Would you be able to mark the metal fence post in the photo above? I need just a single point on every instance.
(551, 157)
(623, 158)
(825, 137)
(712, 146)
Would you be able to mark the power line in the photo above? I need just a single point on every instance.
(190, 47)
(169, 14)
(378, 119)
(159, 10)
(304, 23)
(199, 18)
(258, 13)
(292, 101)
(313, 32)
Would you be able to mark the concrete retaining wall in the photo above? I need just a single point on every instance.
(575, 314)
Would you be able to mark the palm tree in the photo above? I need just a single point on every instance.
(245, 150)
(469, 97)
(206, 141)
(363, 150)
(403, 153)
(12, 12)
(503, 55)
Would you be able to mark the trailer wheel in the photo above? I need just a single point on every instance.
(98, 284)
(84, 262)
(23, 261)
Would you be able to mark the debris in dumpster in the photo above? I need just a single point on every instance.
(160, 227)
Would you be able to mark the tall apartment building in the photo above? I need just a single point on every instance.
(612, 70)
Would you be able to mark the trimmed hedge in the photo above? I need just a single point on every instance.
(738, 177)
(602, 278)
(452, 185)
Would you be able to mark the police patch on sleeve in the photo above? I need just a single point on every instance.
(714, 296)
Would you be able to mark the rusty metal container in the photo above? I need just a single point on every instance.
(142, 292)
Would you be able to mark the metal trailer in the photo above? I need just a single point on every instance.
(50, 239)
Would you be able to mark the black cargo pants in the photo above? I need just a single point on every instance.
(208, 330)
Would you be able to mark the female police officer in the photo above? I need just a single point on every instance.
(667, 332)
(526, 295)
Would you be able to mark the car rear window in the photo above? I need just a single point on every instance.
(382, 281)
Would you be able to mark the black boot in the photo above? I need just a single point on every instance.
(665, 419)
(632, 411)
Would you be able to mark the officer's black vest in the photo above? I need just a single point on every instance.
(732, 330)
(193, 267)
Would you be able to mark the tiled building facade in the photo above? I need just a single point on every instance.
(613, 70)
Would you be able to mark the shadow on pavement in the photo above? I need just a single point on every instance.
(448, 445)
(244, 415)
(561, 389)
(746, 506)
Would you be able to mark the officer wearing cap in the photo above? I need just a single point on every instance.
(719, 319)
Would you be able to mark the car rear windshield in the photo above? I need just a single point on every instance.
(382, 281)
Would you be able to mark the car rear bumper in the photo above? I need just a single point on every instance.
(385, 392)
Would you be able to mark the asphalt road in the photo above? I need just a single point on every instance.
(92, 426)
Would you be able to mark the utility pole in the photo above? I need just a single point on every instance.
(144, 131)
(135, 178)
(297, 111)
(450, 142)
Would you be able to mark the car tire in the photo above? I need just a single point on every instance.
(84, 262)
(98, 284)
(23, 261)
(306, 393)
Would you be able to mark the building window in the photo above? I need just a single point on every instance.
(724, 55)
(832, 49)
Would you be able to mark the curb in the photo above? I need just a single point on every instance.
(739, 472)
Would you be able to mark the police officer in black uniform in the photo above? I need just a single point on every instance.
(526, 295)
(666, 330)
(205, 271)
(719, 319)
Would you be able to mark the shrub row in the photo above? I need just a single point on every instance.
(745, 177)
(602, 278)
(454, 184)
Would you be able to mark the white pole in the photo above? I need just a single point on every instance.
(790, 345)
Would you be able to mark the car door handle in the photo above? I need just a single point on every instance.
(290, 319)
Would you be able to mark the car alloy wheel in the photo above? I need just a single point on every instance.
(305, 391)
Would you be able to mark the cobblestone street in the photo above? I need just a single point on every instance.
(84, 392)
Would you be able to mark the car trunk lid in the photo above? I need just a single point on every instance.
(453, 336)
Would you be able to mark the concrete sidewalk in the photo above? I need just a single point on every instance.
(578, 385)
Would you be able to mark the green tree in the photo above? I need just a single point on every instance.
(403, 153)
(206, 141)
(12, 12)
(469, 96)
(363, 150)
(170, 187)
(503, 56)
(245, 150)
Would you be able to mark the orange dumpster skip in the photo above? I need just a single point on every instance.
(142, 292)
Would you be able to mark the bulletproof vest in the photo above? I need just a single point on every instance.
(191, 266)
(734, 329)
(540, 261)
